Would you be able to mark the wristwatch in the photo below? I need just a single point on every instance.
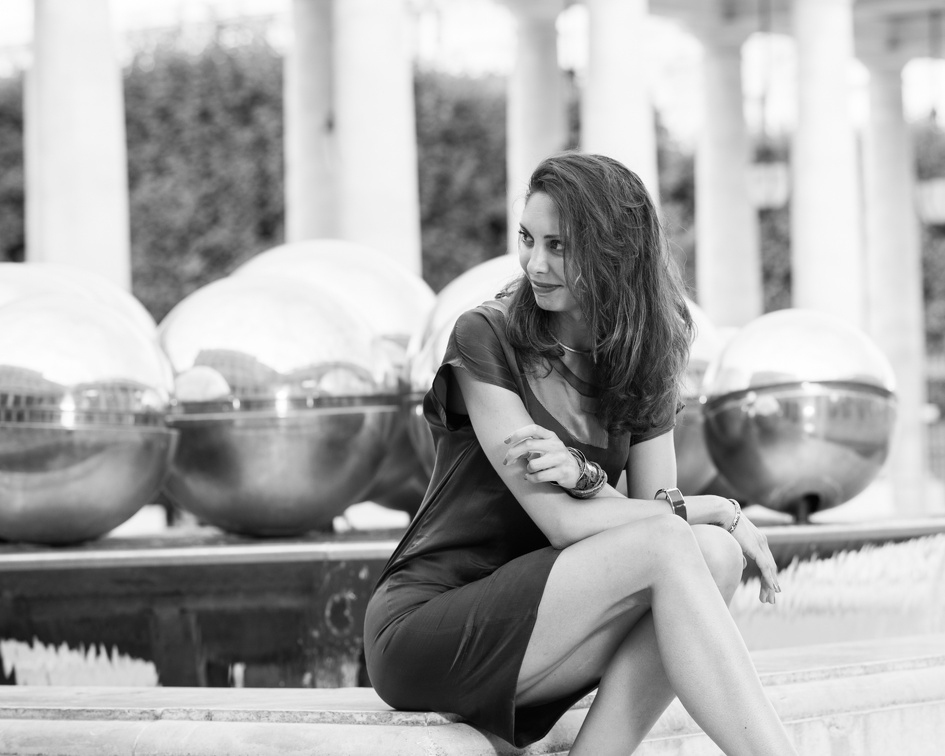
(676, 500)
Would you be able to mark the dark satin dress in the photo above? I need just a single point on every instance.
(449, 621)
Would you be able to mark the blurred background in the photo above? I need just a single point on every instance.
(235, 234)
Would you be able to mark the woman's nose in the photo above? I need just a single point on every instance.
(538, 260)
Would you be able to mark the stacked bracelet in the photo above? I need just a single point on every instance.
(738, 516)
(591, 477)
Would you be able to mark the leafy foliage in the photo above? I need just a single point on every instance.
(461, 152)
(677, 179)
(12, 234)
(929, 149)
(677, 192)
(928, 141)
(933, 264)
(776, 257)
(204, 165)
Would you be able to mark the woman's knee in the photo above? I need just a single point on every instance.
(723, 556)
(639, 554)
(670, 544)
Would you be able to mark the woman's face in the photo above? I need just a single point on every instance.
(541, 255)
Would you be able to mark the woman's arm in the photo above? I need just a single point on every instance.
(651, 466)
(498, 414)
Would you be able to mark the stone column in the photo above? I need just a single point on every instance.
(375, 128)
(728, 254)
(827, 258)
(616, 113)
(75, 153)
(310, 191)
(536, 120)
(894, 274)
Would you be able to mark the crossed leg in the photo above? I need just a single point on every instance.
(643, 608)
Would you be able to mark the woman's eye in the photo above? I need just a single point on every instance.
(555, 245)
(524, 237)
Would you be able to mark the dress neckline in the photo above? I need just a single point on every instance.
(586, 388)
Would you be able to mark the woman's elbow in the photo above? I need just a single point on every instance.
(557, 522)
(559, 541)
(560, 535)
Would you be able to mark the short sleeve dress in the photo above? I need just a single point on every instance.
(450, 618)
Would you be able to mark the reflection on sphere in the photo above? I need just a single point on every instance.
(23, 280)
(392, 299)
(395, 302)
(469, 289)
(799, 411)
(83, 399)
(20, 281)
(285, 402)
(427, 346)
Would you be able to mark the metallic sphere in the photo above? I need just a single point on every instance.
(428, 344)
(20, 281)
(392, 299)
(83, 399)
(395, 302)
(469, 289)
(799, 411)
(285, 402)
(23, 280)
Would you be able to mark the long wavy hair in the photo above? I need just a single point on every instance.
(627, 285)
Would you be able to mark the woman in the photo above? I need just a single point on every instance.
(526, 580)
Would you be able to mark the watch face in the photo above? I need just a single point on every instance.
(674, 495)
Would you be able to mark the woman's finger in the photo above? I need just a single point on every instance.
(534, 446)
(548, 461)
(524, 449)
(754, 545)
(542, 476)
(528, 431)
(768, 569)
(769, 577)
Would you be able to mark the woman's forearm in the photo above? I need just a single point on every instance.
(573, 520)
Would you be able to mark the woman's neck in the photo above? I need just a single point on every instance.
(572, 335)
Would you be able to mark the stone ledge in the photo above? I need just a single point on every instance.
(866, 697)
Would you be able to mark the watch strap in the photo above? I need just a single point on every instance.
(676, 500)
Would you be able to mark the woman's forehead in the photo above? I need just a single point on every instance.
(540, 208)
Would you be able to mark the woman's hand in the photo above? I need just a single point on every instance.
(547, 459)
(754, 545)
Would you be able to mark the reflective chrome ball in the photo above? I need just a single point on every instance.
(395, 302)
(83, 398)
(20, 281)
(799, 411)
(392, 299)
(23, 280)
(469, 289)
(428, 344)
(694, 467)
(285, 402)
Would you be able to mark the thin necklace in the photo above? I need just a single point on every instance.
(572, 350)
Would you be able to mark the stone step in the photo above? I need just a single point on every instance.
(865, 698)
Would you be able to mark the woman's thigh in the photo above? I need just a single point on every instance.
(597, 591)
